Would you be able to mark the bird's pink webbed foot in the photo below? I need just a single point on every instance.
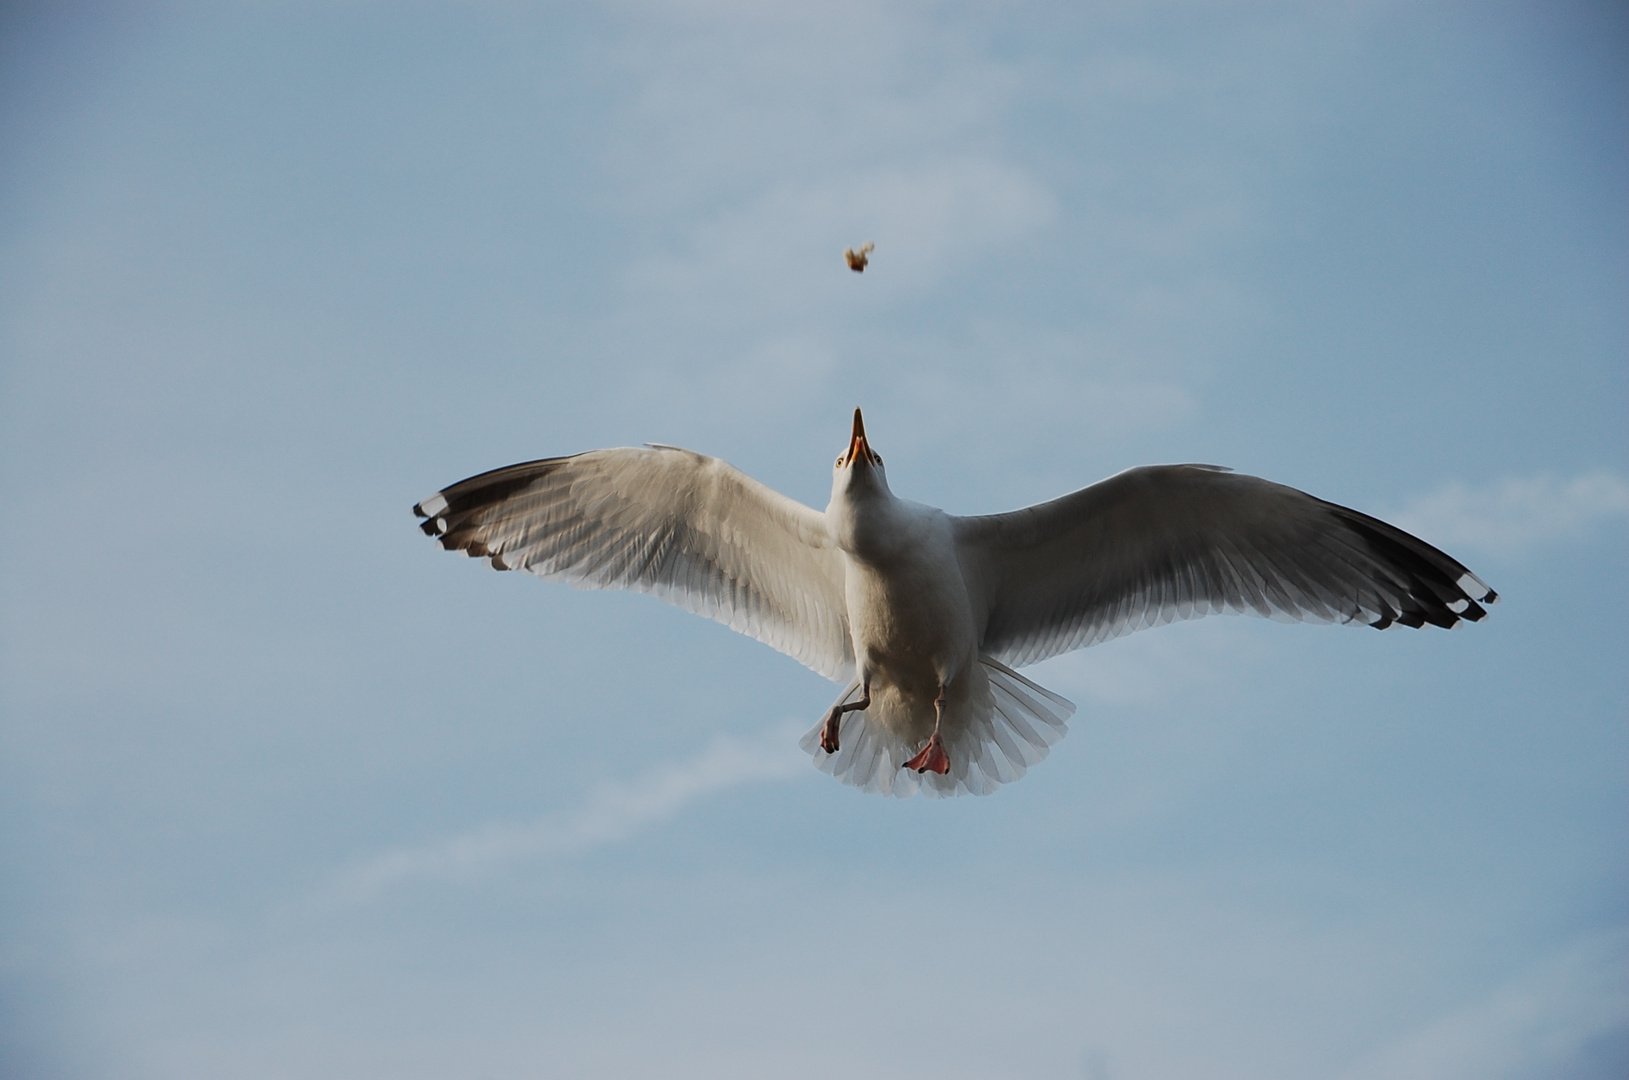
(828, 734)
(932, 757)
(834, 719)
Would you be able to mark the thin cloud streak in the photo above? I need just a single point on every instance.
(1539, 1025)
(1512, 516)
(613, 814)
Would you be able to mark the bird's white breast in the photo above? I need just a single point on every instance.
(907, 601)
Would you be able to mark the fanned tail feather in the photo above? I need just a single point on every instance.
(1011, 728)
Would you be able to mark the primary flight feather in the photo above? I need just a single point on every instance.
(924, 615)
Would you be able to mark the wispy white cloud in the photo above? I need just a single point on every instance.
(1536, 1026)
(1146, 669)
(1514, 515)
(614, 813)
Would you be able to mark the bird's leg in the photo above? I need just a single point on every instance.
(828, 734)
(933, 757)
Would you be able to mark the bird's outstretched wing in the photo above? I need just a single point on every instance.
(687, 528)
(1167, 542)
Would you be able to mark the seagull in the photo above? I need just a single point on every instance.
(857, 260)
(923, 616)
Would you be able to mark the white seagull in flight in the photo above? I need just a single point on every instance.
(924, 615)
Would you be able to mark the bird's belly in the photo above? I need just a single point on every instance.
(912, 626)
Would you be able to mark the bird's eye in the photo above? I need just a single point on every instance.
(839, 463)
(877, 458)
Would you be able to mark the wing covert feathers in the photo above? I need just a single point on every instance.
(1167, 542)
(684, 527)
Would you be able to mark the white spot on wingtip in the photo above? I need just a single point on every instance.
(432, 506)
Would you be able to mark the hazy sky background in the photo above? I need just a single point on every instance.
(285, 791)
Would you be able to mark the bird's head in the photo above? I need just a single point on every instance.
(859, 467)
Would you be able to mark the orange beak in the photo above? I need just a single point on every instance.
(858, 448)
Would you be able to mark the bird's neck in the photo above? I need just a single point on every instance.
(864, 519)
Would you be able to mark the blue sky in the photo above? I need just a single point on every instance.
(287, 791)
